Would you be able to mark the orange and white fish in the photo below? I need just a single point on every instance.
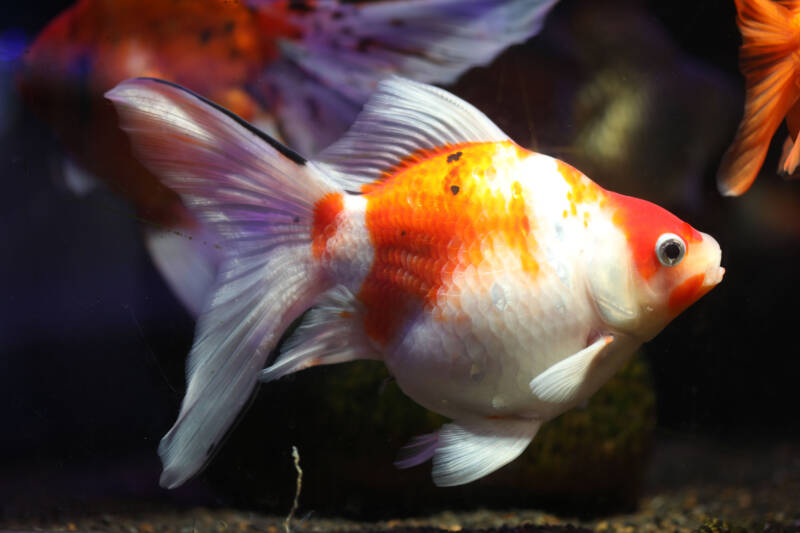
(500, 287)
(769, 60)
(300, 68)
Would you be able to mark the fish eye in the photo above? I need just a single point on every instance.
(670, 249)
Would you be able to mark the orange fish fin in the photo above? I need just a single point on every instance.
(790, 157)
(768, 64)
(402, 120)
(466, 450)
(332, 332)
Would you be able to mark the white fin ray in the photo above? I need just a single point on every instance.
(224, 169)
(466, 450)
(352, 46)
(403, 117)
(311, 115)
(561, 382)
(331, 333)
(258, 196)
(322, 79)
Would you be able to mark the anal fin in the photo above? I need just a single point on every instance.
(466, 450)
(332, 332)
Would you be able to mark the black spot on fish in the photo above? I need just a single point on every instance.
(303, 6)
(229, 26)
(397, 23)
(454, 188)
(403, 233)
(454, 157)
(336, 15)
(205, 35)
(365, 44)
(296, 220)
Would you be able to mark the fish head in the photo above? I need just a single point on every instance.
(648, 266)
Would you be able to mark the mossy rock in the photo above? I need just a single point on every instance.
(349, 422)
(716, 525)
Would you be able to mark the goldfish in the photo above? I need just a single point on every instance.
(768, 59)
(299, 69)
(499, 286)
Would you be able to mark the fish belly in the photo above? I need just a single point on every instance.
(476, 352)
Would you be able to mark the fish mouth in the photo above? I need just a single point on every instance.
(711, 279)
(715, 271)
(713, 276)
(696, 285)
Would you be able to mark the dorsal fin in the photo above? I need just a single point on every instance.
(401, 119)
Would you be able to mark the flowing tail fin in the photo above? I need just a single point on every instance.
(767, 60)
(259, 197)
(345, 48)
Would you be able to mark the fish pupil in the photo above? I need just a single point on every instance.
(672, 250)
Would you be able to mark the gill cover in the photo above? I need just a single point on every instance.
(611, 283)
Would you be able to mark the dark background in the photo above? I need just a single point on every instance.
(92, 343)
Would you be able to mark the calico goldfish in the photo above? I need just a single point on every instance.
(299, 69)
(500, 287)
(768, 59)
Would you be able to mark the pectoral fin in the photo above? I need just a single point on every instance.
(561, 382)
(468, 450)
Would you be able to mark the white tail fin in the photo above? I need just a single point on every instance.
(259, 197)
(188, 262)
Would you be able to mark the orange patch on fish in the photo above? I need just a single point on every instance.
(216, 47)
(323, 226)
(582, 189)
(438, 213)
(181, 40)
(686, 293)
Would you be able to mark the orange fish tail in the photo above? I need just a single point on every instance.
(770, 38)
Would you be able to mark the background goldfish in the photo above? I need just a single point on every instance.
(770, 43)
